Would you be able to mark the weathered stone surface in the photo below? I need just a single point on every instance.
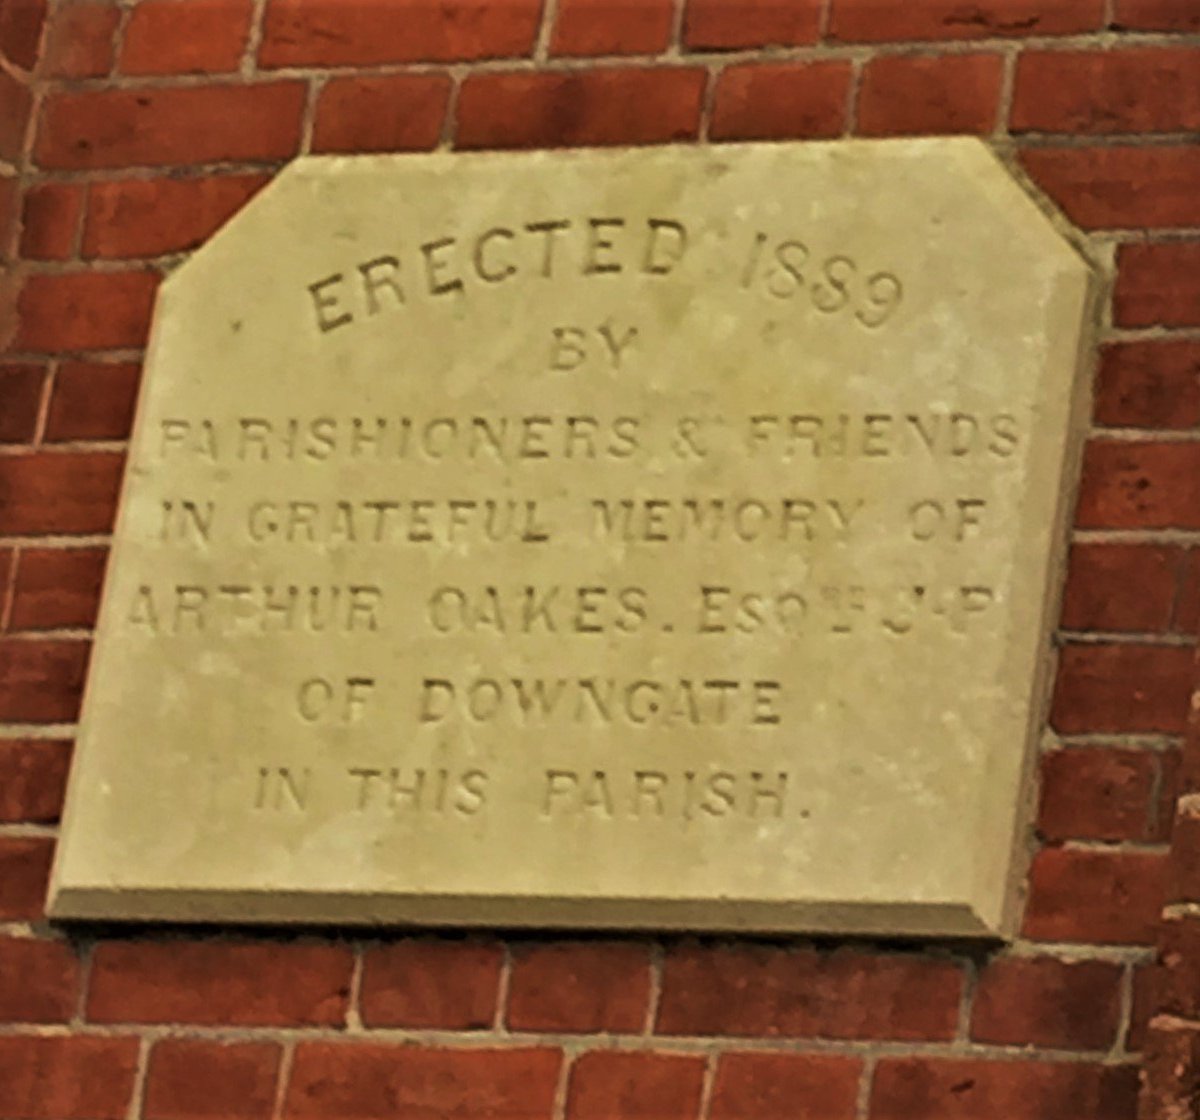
(658, 537)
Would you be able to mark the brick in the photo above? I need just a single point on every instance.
(776, 101)
(1170, 1071)
(15, 104)
(1152, 384)
(1183, 881)
(183, 125)
(35, 776)
(720, 25)
(148, 217)
(197, 37)
(1157, 15)
(1100, 578)
(1151, 485)
(798, 1086)
(190, 1079)
(79, 43)
(39, 981)
(1110, 688)
(72, 1078)
(92, 400)
(579, 986)
(595, 27)
(21, 31)
(24, 874)
(1100, 793)
(57, 587)
(446, 985)
(402, 112)
(907, 94)
(1120, 187)
(881, 21)
(362, 1082)
(602, 106)
(1158, 285)
(371, 32)
(1099, 897)
(1041, 1001)
(50, 221)
(41, 681)
(1140, 90)
(1178, 979)
(1187, 607)
(777, 993)
(632, 1086)
(220, 982)
(85, 310)
(45, 492)
(949, 1089)
(21, 385)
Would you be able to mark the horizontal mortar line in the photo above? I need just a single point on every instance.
(1133, 536)
(140, 172)
(27, 931)
(40, 831)
(1133, 638)
(1137, 742)
(1133, 847)
(97, 355)
(64, 447)
(477, 1040)
(1145, 435)
(98, 266)
(1181, 911)
(52, 634)
(37, 730)
(1117, 954)
(57, 540)
(1155, 139)
(1151, 334)
(1160, 235)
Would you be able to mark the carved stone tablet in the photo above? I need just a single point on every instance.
(635, 538)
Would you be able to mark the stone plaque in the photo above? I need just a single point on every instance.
(657, 537)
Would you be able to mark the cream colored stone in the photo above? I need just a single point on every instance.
(775, 442)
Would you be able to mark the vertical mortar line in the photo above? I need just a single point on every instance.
(707, 98)
(85, 202)
(824, 19)
(866, 1083)
(559, 1110)
(450, 120)
(138, 1097)
(857, 66)
(707, 1085)
(118, 36)
(1124, 1012)
(657, 955)
(500, 1019)
(1181, 573)
(1109, 14)
(8, 593)
(541, 47)
(79, 1017)
(675, 40)
(1154, 807)
(353, 1014)
(286, 1060)
(966, 1001)
(249, 62)
(315, 84)
(43, 412)
(1008, 78)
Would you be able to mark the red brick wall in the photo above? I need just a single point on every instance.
(150, 121)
